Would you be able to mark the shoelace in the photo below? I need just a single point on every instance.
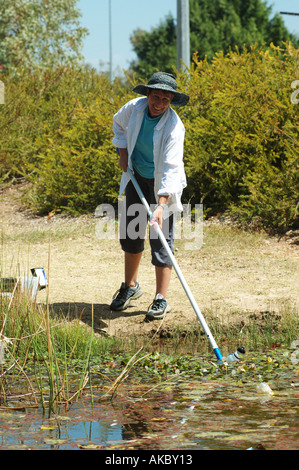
(157, 304)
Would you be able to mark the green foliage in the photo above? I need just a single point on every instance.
(220, 25)
(242, 135)
(39, 34)
(155, 50)
(241, 146)
(57, 131)
(215, 26)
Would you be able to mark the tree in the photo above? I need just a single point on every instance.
(155, 47)
(39, 33)
(215, 25)
(221, 25)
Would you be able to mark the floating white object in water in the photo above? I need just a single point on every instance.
(264, 389)
(237, 355)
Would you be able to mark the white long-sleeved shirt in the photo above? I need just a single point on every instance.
(168, 148)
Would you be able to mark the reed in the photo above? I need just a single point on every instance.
(39, 348)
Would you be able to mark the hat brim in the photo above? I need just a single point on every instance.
(179, 99)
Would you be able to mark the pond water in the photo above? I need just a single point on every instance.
(223, 411)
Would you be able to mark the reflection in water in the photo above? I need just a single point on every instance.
(93, 431)
(194, 415)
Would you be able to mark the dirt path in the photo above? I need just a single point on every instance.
(233, 274)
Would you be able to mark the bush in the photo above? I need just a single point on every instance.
(241, 147)
(241, 152)
(58, 128)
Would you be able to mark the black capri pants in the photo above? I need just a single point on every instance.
(134, 221)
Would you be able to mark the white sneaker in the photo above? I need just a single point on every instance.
(158, 308)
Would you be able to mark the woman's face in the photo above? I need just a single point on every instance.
(158, 101)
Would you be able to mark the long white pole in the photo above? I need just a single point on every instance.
(177, 269)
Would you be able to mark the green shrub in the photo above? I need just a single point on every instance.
(241, 152)
(77, 167)
(58, 131)
(241, 147)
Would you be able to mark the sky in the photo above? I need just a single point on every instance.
(128, 15)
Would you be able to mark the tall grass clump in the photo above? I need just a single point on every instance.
(44, 348)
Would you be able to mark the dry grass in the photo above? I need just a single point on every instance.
(235, 274)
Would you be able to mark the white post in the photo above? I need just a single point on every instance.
(110, 40)
(183, 35)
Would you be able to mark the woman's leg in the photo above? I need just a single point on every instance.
(163, 275)
(132, 261)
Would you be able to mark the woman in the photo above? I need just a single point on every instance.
(150, 138)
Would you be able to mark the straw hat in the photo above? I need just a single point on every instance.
(166, 82)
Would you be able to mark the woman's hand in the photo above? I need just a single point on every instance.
(157, 216)
(123, 159)
(158, 212)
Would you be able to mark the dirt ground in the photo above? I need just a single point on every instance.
(233, 275)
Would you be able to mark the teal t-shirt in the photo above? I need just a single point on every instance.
(143, 153)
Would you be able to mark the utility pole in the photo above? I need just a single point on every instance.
(110, 41)
(183, 35)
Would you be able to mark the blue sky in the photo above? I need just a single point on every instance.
(128, 15)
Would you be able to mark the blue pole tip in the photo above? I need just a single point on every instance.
(218, 354)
